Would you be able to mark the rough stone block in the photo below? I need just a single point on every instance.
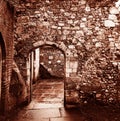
(82, 25)
(67, 14)
(70, 21)
(112, 17)
(66, 32)
(98, 95)
(84, 19)
(98, 44)
(50, 57)
(61, 24)
(109, 23)
(74, 9)
(72, 100)
(75, 28)
(79, 34)
(114, 10)
(54, 27)
(71, 47)
(66, 28)
(87, 8)
(117, 45)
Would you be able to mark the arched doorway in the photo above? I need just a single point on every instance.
(2, 58)
(70, 65)
(46, 67)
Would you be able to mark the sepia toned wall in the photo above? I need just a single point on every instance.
(52, 59)
(7, 46)
(89, 37)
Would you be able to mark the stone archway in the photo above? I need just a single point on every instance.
(31, 62)
(71, 63)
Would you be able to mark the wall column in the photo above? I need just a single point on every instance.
(36, 63)
(32, 66)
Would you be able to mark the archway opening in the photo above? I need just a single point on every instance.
(47, 75)
(2, 58)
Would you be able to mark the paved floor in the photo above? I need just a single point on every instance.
(47, 105)
(49, 91)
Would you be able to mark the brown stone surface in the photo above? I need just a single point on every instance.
(53, 60)
(38, 110)
(90, 112)
(87, 35)
(49, 91)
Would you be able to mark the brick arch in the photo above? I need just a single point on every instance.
(2, 70)
(7, 45)
(2, 43)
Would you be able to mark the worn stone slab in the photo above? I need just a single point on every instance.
(43, 113)
(47, 105)
(68, 119)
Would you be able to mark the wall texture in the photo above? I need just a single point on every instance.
(92, 32)
(6, 30)
(90, 36)
(11, 77)
(53, 60)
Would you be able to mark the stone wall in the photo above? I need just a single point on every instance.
(92, 44)
(53, 60)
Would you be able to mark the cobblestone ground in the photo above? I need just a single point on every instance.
(47, 105)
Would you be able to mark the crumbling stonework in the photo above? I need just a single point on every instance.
(88, 35)
(91, 36)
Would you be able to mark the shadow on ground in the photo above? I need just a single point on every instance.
(87, 112)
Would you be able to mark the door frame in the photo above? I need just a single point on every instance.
(30, 70)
